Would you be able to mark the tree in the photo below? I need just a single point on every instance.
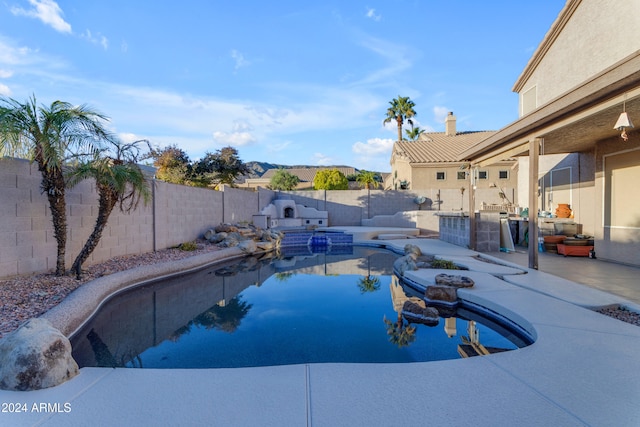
(368, 284)
(283, 180)
(414, 133)
(222, 167)
(172, 164)
(49, 134)
(119, 180)
(401, 109)
(330, 179)
(368, 179)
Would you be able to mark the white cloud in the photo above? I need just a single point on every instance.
(240, 126)
(5, 74)
(373, 147)
(371, 13)
(440, 113)
(46, 11)
(97, 39)
(398, 58)
(275, 148)
(239, 59)
(236, 139)
(128, 138)
(12, 55)
(322, 159)
(4, 90)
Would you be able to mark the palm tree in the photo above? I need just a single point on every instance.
(401, 109)
(118, 179)
(414, 133)
(400, 334)
(368, 179)
(368, 284)
(48, 134)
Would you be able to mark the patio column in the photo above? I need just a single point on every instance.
(472, 211)
(534, 154)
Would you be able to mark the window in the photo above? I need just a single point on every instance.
(462, 175)
(441, 176)
(503, 174)
(483, 175)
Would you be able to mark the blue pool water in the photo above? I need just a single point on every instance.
(308, 308)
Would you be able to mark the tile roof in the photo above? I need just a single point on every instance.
(438, 147)
(307, 174)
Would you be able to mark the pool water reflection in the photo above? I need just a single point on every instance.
(313, 308)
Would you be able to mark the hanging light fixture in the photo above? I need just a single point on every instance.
(623, 121)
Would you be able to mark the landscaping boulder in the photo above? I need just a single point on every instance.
(209, 233)
(446, 294)
(248, 246)
(217, 237)
(410, 249)
(227, 228)
(35, 356)
(404, 263)
(415, 312)
(266, 246)
(454, 281)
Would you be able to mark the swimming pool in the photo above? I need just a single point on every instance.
(302, 308)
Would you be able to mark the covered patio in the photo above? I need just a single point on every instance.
(582, 121)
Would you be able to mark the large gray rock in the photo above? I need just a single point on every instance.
(454, 280)
(248, 246)
(415, 312)
(410, 249)
(35, 356)
(446, 294)
(405, 263)
(217, 237)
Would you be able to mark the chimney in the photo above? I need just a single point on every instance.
(450, 124)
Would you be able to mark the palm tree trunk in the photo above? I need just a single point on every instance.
(53, 184)
(105, 206)
(399, 120)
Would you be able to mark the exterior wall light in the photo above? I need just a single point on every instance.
(623, 122)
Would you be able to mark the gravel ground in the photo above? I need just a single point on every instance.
(24, 297)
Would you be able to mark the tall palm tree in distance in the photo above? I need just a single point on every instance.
(368, 179)
(401, 109)
(118, 179)
(414, 133)
(49, 134)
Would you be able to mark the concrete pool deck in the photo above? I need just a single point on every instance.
(583, 369)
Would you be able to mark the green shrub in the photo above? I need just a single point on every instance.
(188, 246)
(445, 264)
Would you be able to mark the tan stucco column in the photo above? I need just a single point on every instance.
(534, 154)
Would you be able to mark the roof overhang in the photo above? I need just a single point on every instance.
(572, 122)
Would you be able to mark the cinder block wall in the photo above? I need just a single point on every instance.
(183, 213)
(27, 242)
(176, 214)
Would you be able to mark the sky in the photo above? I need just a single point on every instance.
(287, 82)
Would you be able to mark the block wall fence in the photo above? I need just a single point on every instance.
(175, 214)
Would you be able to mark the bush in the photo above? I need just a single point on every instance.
(444, 264)
(188, 246)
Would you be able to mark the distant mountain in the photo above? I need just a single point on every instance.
(259, 168)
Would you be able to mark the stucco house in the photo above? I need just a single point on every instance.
(582, 76)
(432, 164)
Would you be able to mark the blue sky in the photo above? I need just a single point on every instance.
(290, 82)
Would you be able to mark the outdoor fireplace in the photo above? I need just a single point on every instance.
(286, 213)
